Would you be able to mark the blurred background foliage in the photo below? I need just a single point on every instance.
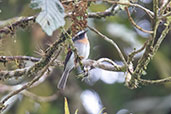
(114, 96)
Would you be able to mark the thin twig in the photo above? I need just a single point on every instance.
(165, 15)
(4, 75)
(69, 1)
(99, 64)
(164, 6)
(13, 58)
(131, 55)
(155, 7)
(23, 22)
(163, 35)
(107, 60)
(132, 21)
(40, 98)
(150, 82)
(150, 13)
(156, 21)
(111, 42)
(108, 12)
(5, 59)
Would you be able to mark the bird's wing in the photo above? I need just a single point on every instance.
(67, 57)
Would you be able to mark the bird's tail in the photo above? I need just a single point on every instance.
(63, 80)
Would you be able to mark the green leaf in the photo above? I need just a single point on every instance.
(76, 111)
(66, 106)
(51, 16)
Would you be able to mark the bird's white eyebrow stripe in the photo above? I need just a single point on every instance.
(78, 34)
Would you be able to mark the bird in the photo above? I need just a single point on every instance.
(82, 45)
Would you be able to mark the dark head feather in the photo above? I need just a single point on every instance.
(79, 35)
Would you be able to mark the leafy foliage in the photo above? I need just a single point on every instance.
(51, 16)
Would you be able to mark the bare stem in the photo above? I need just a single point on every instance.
(5, 59)
(108, 12)
(162, 36)
(132, 21)
(99, 64)
(111, 42)
(165, 15)
(150, 82)
(131, 55)
(150, 13)
(40, 98)
(164, 6)
(156, 7)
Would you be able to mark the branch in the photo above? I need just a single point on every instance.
(5, 59)
(150, 51)
(132, 21)
(165, 15)
(164, 7)
(150, 82)
(111, 42)
(29, 84)
(131, 55)
(99, 64)
(108, 12)
(33, 70)
(155, 7)
(24, 22)
(162, 36)
(145, 59)
(4, 75)
(21, 22)
(40, 98)
(156, 20)
(150, 13)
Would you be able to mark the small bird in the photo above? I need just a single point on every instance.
(83, 48)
